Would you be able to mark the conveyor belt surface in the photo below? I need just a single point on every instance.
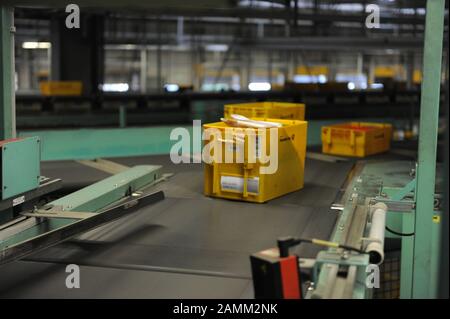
(187, 246)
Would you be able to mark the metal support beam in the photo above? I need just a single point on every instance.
(7, 89)
(86, 209)
(143, 71)
(426, 169)
(105, 192)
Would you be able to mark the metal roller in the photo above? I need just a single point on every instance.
(375, 248)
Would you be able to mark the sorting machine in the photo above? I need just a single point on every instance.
(397, 196)
(378, 200)
(29, 223)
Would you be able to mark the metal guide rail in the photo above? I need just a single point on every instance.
(86, 209)
(378, 197)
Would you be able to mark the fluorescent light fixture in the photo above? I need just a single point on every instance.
(322, 78)
(36, 45)
(115, 87)
(376, 86)
(216, 47)
(259, 86)
(351, 86)
(303, 78)
(259, 4)
(235, 87)
(170, 87)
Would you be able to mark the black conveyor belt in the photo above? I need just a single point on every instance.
(187, 246)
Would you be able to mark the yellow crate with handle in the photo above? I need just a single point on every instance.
(274, 110)
(358, 139)
(61, 87)
(244, 180)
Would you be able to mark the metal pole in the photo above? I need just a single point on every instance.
(443, 262)
(159, 57)
(143, 71)
(122, 116)
(426, 169)
(7, 83)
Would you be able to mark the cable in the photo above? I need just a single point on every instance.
(398, 233)
(327, 243)
(285, 243)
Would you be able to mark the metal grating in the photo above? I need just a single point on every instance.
(389, 277)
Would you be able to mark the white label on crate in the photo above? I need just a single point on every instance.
(232, 183)
(18, 200)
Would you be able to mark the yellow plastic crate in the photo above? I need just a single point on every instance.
(357, 139)
(61, 87)
(274, 110)
(244, 181)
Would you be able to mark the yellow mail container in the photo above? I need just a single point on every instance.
(357, 139)
(243, 179)
(61, 87)
(274, 110)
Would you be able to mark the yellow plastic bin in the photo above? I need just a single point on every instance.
(61, 87)
(244, 180)
(357, 139)
(275, 110)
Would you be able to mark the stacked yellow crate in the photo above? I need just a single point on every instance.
(274, 110)
(357, 139)
(61, 87)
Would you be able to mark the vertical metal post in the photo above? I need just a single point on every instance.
(443, 258)
(159, 57)
(180, 30)
(143, 73)
(359, 63)
(122, 116)
(7, 83)
(249, 69)
(269, 67)
(426, 169)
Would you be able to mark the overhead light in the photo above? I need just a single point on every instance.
(130, 47)
(36, 45)
(303, 78)
(115, 87)
(259, 86)
(322, 78)
(216, 47)
(171, 87)
(259, 4)
(376, 86)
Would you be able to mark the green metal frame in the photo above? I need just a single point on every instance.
(7, 96)
(392, 183)
(20, 165)
(95, 198)
(103, 193)
(362, 187)
(129, 141)
(423, 272)
(104, 143)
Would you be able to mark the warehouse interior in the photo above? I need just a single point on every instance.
(95, 96)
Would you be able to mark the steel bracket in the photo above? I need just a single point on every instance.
(339, 258)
